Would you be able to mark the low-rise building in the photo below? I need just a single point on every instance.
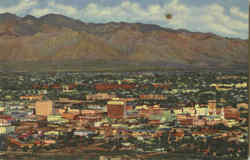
(100, 96)
(7, 129)
(69, 116)
(242, 105)
(56, 119)
(231, 113)
(32, 97)
(152, 97)
(199, 122)
(53, 133)
(4, 122)
(83, 133)
(241, 85)
(231, 123)
(2, 109)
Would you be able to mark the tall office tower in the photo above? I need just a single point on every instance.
(116, 109)
(44, 108)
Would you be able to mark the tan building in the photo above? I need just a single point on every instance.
(152, 96)
(32, 97)
(212, 106)
(100, 96)
(44, 108)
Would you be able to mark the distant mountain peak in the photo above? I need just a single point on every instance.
(8, 14)
(30, 17)
(8, 17)
(53, 15)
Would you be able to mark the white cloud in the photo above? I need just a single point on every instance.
(236, 11)
(56, 9)
(132, 12)
(20, 7)
(210, 18)
(41, 12)
(125, 11)
(222, 28)
(214, 16)
(63, 8)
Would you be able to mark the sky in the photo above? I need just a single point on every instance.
(228, 18)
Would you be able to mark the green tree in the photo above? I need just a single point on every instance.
(25, 149)
(34, 148)
(164, 140)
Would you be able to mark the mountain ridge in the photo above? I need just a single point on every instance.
(56, 38)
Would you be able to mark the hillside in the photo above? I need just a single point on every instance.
(56, 40)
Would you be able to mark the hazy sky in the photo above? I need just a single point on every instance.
(224, 17)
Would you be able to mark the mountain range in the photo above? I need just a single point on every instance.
(53, 42)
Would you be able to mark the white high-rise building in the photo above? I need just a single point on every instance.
(222, 113)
